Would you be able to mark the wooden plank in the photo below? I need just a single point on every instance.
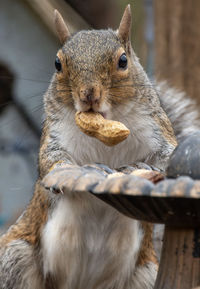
(45, 9)
(100, 14)
(177, 44)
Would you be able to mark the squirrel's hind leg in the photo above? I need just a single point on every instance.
(18, 267)
(145, 276)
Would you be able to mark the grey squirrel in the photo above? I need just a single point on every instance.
(70, 241)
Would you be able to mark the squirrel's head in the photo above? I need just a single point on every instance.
(94, 68)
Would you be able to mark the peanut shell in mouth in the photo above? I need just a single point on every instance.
(109, 132)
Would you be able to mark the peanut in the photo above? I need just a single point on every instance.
(107, 131)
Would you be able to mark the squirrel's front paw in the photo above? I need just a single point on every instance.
(137, 166)
(68, 178)
(72, 178)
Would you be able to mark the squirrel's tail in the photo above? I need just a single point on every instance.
(181, 110)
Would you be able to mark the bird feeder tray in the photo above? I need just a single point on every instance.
(145, 194)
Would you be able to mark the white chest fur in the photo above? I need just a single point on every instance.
(141, 142)
(87, 244)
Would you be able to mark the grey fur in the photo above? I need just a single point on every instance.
(18, 268)
(19, 265)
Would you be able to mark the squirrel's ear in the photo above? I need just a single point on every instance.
(125, 25)
(61, 27)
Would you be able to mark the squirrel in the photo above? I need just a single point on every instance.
(67, 241)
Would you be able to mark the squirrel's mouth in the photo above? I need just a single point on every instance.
(93, 100)
(104, 114)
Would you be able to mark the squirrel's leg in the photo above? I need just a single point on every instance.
(20, 250)
(49, 157)
(145, 276)
(18, 267)
(147, 264)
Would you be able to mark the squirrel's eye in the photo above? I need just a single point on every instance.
(122, 61)
(58, 64)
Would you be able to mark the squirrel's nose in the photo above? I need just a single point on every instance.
(89, 95)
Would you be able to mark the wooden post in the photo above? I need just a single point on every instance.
(180, 260)
(177, 44)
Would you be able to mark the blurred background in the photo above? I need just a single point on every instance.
(165, 36)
